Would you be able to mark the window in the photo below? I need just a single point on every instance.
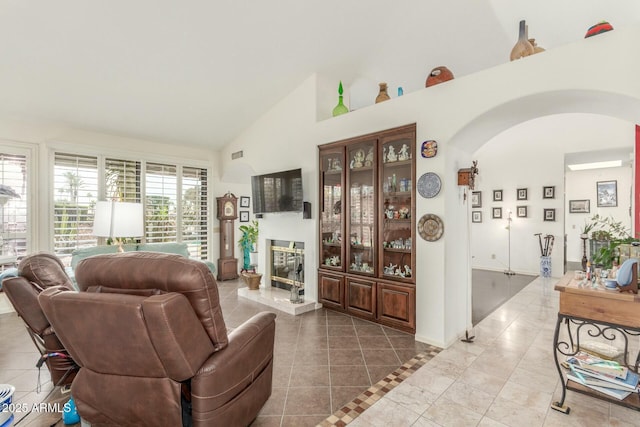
(75, 192)
(175, 199)
(161, 185)
(194, 211)
(13, 206)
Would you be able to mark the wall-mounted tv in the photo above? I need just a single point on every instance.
(277, 192)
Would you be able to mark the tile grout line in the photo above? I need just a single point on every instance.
(357, 406)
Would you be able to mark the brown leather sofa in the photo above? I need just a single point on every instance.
(148, 333)
(35, 273)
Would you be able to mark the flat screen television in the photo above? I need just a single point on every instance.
(277, 192)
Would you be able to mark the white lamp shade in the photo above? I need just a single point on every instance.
(118, 219)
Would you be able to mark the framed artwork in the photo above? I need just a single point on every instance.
(244, 201)
(549, 192)
(497, 195)
(579, 206)
(521, 211)
(244, 216)
(496, 213)
(522, 194)
(476, 216)
(607, 192)
(476, 200)
(549, 214)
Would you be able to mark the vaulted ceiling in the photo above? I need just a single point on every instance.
(198, 72)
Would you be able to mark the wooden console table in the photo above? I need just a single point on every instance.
(594, 313)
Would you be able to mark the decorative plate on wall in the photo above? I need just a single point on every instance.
(430, 227)
(429, 185)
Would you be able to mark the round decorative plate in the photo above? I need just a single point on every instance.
(430, 227)
(429, 185)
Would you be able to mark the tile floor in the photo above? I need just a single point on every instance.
(506, 377)
(322, 361)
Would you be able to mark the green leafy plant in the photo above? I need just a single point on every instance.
(609, 230)
(249, 238)
(248, 241)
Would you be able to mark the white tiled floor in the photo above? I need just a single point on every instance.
(507, 377)
(5, 305)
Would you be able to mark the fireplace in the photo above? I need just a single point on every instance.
(287, 267)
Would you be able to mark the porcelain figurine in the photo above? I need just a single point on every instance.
(368, 161)
(404, 153)
(392, 156)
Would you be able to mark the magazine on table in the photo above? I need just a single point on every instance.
(611, 392)
(630, 383)
(594, 363)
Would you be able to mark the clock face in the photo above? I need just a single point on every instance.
(229, 209)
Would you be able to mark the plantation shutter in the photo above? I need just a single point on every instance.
(194, 211)
(13, 205)
(75, 194)
(161, 196)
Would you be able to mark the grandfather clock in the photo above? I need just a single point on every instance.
(227, 213)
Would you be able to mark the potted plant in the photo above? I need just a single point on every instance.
(608, 234)
(248, 244)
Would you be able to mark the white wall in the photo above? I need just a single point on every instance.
(461, 115)
(581, 185)
(531, 156)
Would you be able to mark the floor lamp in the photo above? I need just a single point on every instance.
(509, 272)
(116, 220)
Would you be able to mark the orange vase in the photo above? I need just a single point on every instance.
(382, 95)
(522, 47)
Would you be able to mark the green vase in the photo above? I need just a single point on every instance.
(340, 108)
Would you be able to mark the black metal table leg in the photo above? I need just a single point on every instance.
(559, 405)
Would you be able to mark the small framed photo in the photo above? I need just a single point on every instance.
(521, 211)
(579, 206)
(497, 195)
(549, 214)
(476, 200)
(244, 201)
(549, 192)
(476, 216)
(607, 193)
(496, 213)
(522, 194)
(244, 216)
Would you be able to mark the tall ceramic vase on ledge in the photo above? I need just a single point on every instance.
(522, 47)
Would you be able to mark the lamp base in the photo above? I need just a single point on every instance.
(510, 272)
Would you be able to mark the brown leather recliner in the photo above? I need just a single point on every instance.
(35, 273)
(149, 336)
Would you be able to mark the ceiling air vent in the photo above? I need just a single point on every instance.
(236, 155)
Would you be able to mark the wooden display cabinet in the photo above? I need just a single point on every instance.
(367, 223)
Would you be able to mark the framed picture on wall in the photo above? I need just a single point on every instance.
(549, 214)
(497, 195)
(522, 194)
(476, 216)
(521, 211)
(244, 216)
(607, 192)
(496, 213)
(579, 206)
(549, 192)
(476, 199)
(244, 201)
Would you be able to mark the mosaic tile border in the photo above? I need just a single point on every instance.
(357, 406)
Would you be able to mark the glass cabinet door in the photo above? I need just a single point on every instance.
(361, 216)
(397, 179)
(331, 224)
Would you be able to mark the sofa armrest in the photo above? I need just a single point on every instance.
(211, 266)
(229, 371)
